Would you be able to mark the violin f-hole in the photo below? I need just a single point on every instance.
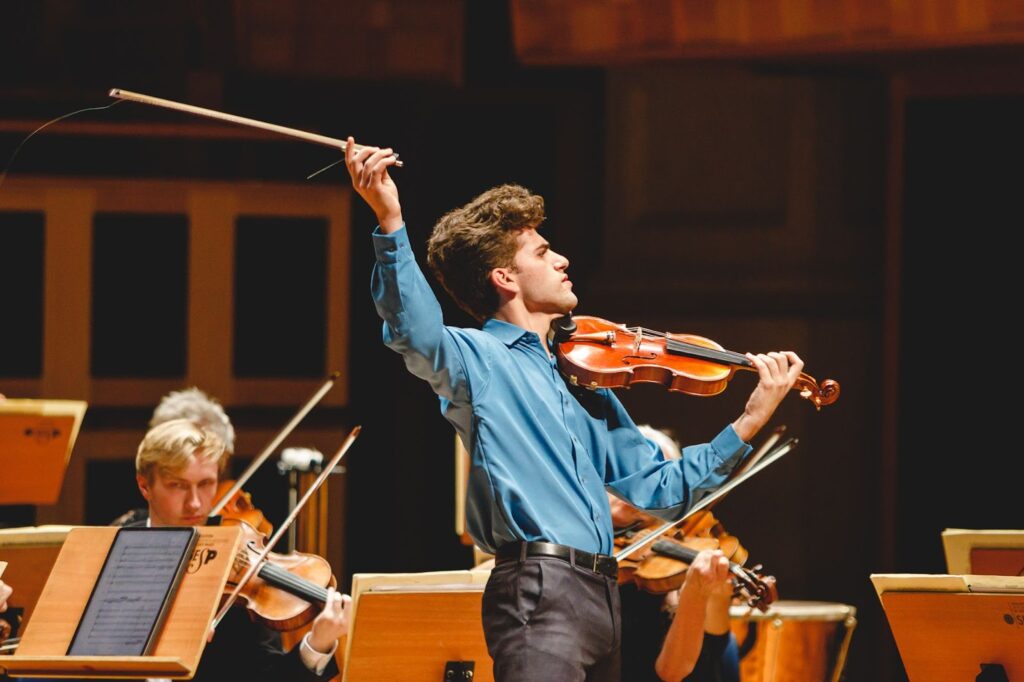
(649, 356)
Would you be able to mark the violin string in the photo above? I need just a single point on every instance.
(282, 578)
(10, 162)
(286, 579)
(708, 353)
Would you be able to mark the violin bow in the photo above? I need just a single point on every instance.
(276, 441)
(707, 501)
(323, 140)
(255, 565)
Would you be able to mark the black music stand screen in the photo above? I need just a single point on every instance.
(134, 591)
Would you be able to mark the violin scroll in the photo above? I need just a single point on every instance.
(824, 394)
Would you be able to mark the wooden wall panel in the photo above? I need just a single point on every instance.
(69, 206)
(620, 31)
(404, 39)
(715, 173)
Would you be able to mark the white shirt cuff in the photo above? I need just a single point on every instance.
(313, 659)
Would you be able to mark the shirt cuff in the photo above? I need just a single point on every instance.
(390, 247)
(313, 659)
(729, 445)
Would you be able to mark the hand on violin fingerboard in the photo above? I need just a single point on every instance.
(332, 623)
(777, 373)
(709, 574)
(368, 168)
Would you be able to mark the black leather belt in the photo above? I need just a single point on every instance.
(598, 563)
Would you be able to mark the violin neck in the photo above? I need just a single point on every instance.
(671, 549)
(691, 350)
(687, 555)
(292, 584)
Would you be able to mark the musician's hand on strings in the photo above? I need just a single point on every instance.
(709, 573)
(778, 373)
(332, 622)
(368, 168)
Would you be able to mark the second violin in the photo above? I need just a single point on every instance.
(661, 566)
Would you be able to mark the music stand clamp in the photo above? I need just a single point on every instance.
(459, 671)
(992, 672)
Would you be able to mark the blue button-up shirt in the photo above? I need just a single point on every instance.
(542, 451)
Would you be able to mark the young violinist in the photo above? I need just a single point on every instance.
(542, 451)
(177, 468)
(198, 407)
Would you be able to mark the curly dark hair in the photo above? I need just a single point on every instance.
(468, 242)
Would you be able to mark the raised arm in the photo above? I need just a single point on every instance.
(413, 325)
(368, 169)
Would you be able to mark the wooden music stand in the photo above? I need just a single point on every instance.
(30, 553)
(984, 552)
(947, 626)
(416, 626)
(43, 647)
(36, 438)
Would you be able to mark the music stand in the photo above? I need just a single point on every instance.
(984, 552)
(30, 553)
(36, 438)
(43, 647)
(417, 627)
(948, 626)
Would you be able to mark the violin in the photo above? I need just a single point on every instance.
(281, 590)
(239, 507)
(287, 590)
(661, 567)
(596, 353)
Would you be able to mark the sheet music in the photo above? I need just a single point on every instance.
(129, 598)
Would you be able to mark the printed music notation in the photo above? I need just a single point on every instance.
(131, 596)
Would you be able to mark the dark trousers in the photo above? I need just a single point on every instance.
(545, 619)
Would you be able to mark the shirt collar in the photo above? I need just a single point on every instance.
(505, 332)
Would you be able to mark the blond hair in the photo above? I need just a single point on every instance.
(173, 445)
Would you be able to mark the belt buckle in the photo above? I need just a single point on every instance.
(596, 558)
